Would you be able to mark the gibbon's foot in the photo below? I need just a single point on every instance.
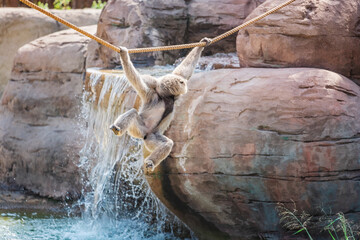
(149, 165)
(206, 40)
(116, 130)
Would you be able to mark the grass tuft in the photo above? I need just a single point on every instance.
(337, 226)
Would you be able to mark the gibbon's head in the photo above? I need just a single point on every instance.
(172, 85)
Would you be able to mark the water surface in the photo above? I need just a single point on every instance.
(30, 226)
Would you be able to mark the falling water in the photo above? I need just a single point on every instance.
(117, 191)
(117, 202)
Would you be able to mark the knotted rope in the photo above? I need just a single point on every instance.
(162, 48)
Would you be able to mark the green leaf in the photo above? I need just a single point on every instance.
(299, 231)
(331, 235)
(333, 222)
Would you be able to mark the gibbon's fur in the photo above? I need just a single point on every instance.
(158, 96)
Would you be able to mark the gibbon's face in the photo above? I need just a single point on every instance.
(173, 85)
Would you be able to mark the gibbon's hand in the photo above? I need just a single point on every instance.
(123, 50)
(206, 40)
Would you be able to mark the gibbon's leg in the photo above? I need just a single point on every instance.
(187, 66)
(160, 146)
(132, 74)
(123, 122)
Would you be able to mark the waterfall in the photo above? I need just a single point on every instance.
(116, 189)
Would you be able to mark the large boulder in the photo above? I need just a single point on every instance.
(39, 141)
(247, 139)
(19, 26)
(324, 34)
(136, 24)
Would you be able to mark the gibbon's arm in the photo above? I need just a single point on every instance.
(132, 74)
(187, 66)
(150, 81)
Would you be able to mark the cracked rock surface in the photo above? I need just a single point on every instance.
(246, 139)
(312, 33)
(39, 141)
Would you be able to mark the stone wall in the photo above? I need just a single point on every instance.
(39, 117)
(19, 26)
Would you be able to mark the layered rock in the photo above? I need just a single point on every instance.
(247, 139)
(19, 26)
(324, 34)
(136, 24)
(39, 141)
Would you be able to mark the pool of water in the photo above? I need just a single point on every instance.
(30, 226)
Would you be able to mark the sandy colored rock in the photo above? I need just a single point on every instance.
(39, 137)
(247, 139)
(19, 26)
(323, 34)
(136, 24)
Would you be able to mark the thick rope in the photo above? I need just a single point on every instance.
(162, 48)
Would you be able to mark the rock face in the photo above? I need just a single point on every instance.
(210, 18)
(312, 33)
(39, 144)
(247, 139)
(19, 26)
(157, 22)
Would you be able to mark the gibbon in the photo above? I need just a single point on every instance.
(158, 96)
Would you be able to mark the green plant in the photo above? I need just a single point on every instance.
(62, 4)
(337, 226)
(293, 220)
(341, 225)
(43, 5)
(98, 4)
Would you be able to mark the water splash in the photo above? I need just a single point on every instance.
(117, 191)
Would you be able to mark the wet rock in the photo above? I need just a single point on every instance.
(136, 24)
(246, 139)
(324, 34)
(24, 201)
(19, 26)
(39, 141)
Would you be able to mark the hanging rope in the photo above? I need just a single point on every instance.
(162, 48)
